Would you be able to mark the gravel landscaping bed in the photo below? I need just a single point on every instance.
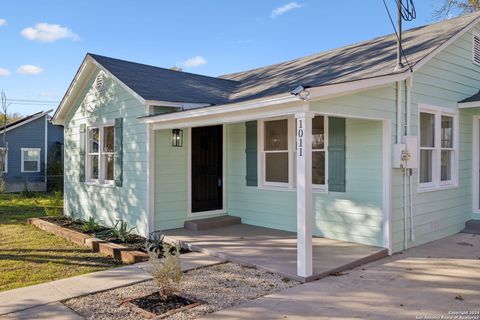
(220, 286)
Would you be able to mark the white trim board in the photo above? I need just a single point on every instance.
(387, 186)
(476, 164)
(39, 150)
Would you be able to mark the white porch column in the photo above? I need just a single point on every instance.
(304, 193)
(150, 177)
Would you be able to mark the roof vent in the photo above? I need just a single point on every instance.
(99, 82)
(476, 48)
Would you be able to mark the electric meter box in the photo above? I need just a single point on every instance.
(405, 154)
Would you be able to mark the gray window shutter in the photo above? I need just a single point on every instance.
(336, 154)
(251, 153)
(82, 145)
(118, 152)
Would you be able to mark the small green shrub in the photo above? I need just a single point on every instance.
(155, 243)
(91, 225)
(119, 232)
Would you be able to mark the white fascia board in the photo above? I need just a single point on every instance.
(471, 104)
(248, 109)
(86, 70)
(179, 105)
(72, 92)
(344, 88)
(271, 111)
(222, 109)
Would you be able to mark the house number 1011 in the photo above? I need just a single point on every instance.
(300, 138)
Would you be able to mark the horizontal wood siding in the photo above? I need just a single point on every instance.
(448, 78)
(354, 215)
(109, 204)
(29, 135)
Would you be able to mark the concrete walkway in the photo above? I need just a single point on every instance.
(41, 301)
(430, 280)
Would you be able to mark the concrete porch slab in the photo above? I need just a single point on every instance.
(275, 250)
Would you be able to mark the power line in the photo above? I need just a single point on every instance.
(395, 29)
(32, 100)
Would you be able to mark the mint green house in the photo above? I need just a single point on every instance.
(340, 144)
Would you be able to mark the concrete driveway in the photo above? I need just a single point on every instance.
(436, 279)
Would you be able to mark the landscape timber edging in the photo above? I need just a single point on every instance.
(119, 252)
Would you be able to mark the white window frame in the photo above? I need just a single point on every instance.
(6, 160)
(101, 156)
(261, 154)
(322, 187)
(22, 150)
(291, 185)
(436, 183)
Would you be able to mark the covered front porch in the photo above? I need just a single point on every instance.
(297, 174)
(275, 250)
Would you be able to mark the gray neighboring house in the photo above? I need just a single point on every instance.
(30, 142)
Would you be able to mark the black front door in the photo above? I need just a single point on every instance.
(207, 168)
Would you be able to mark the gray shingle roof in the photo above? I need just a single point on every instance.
(368, 59)
(154, 83)
(474, 98)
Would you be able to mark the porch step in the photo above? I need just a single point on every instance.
(472, 226)
(210, 223)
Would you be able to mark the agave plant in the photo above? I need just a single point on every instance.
(120, 231)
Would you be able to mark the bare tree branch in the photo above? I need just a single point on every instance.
(451, 8)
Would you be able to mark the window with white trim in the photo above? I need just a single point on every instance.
(276, 152)
(30, 158)
(101, 154)
(438, 148)
(277, 143)
(319, 150)
(4, 160)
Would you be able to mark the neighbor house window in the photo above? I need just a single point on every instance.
(277, 144)
(4, 159)
(30, 159)
(438, 148)
(101, 154)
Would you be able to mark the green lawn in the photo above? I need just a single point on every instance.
(30, 256)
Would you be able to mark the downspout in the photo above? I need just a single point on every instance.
(408, 84)
(46, 151)
(399, 112)
(404, 170)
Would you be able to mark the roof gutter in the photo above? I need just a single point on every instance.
(316, 93)
(179, 105)
(470, 104)
(219, 109)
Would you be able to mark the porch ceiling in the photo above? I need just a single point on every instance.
(275, 250)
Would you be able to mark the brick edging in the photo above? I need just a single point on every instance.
(119, 252)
